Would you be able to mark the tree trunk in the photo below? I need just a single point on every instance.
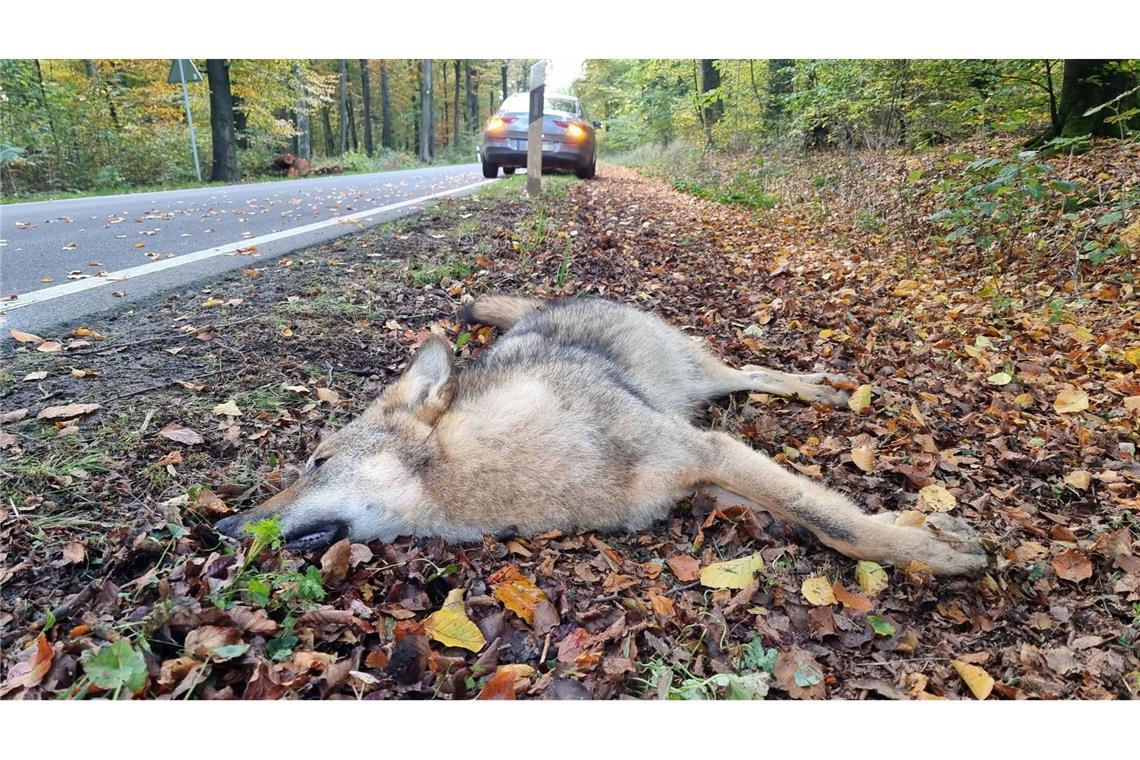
(712, 106)
(304, 134)
(225, 167)
(342, 100)
(385, 108)
(458, 108)
(365, 87)
(352, 125)
(472, 101)
(326, 119)
(427, 132)
(241, 124)
(503, 73)
(1088, 84)
(781, 74)
(443, 105)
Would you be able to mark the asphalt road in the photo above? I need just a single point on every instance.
(43, 243)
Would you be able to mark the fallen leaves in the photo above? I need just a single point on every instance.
(67, 411)
(733, 573)
(181, 434)
(818, 591)
(684, 568)
(935, 498)
(451, 627)
(860, 400)
(980, 682)
(871, 577)
(517, 593)
(227, 409)
(1073, 566)
(1071, 401)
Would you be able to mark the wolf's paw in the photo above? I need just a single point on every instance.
(947, 544)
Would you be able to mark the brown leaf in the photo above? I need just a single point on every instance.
(500, 686)
(798, 673)
(67, 411)
(203, 640)
(1072, 566)
(24, 337)
(74, 552)
(181, 434)
(684, 567)
(334, 562)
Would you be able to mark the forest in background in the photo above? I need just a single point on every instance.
(87, 125)
(84, 124)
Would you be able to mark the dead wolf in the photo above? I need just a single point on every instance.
(579, 417)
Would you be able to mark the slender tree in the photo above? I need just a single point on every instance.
(458, 109)
(427, 132)
(326, 122)
(712, 107)
(472, 100)
(304, 131)
(366, 90)
(503, 74)
(342, 99)
(225, 167)
(781, 75)
(385, 108)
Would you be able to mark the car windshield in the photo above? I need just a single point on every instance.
(520, 103)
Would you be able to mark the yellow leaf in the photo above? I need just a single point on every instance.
(982, 341)
(860, 400)
(1001, 378)
(979, 681)
(1132, 356)
(451, 627)
(229, 409)
(905, 287)
(735, 573)
(818, 591)
(516, 592)
(863, 457)
(1023, 400)
(1071, 400)
(210, 303)
(936, 498)
(872, 578)
(1079, 479)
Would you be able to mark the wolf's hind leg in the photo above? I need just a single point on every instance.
(829, 515)
(723, 380)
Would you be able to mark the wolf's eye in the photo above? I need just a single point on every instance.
(317, 462)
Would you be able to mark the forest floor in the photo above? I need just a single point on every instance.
(123, 439)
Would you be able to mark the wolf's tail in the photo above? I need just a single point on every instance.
(500, 311)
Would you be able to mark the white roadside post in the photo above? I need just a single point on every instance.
(183, 70)
(534, 130)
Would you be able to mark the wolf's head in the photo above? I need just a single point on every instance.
(364, 481)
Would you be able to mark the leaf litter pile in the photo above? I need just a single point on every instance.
(125, 438)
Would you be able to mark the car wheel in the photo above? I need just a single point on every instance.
(490, 171)
(508, 170)
(588, 172)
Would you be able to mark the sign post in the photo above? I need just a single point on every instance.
(537, 85)
(183, 70)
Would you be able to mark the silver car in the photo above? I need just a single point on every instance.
(568, 142)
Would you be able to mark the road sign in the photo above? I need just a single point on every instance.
(537, 75)
(534, 131)
(183, 70)
(189, 70)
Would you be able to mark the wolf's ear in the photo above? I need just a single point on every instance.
(427, 386)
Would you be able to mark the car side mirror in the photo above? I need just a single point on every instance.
(597, 125)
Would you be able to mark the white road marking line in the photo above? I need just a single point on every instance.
(114, 278)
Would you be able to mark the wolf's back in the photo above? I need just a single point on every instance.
(500, 311)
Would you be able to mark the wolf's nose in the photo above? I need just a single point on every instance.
(228, 525)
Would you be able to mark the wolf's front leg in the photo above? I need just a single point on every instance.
(833, 519)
